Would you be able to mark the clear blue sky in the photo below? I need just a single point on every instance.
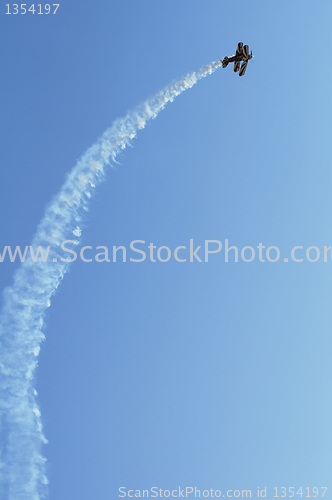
(175, 374)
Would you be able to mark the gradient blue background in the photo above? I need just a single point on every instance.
(175, 374)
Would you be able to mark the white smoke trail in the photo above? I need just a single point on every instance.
(22, 467)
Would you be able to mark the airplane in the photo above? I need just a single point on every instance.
(242, 54)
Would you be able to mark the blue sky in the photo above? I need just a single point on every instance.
(175, 374)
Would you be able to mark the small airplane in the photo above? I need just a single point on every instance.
(242, 54)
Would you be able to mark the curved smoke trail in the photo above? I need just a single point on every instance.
(22, 467)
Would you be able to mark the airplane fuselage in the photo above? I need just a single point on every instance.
(235, 59)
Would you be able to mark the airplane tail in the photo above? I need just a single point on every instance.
(225, 62)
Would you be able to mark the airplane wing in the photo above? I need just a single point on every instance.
(236, 66)
(243, 68)
(239, 49)
(246, 52)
